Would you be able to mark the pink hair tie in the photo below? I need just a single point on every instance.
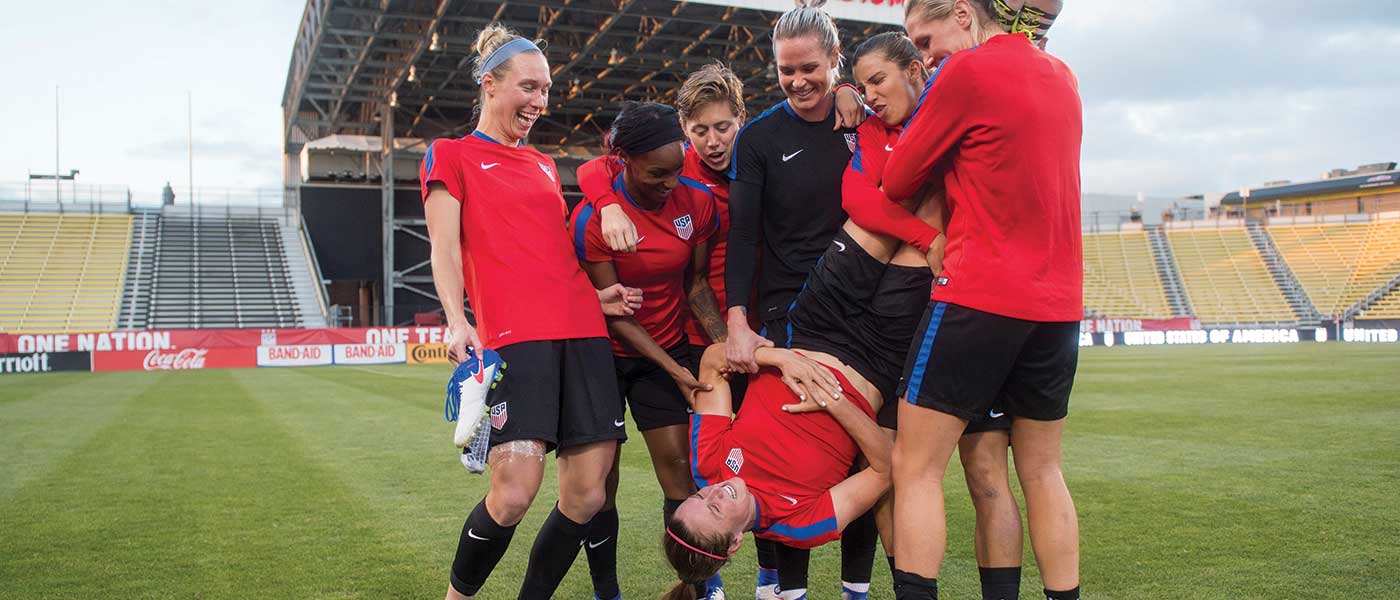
(693, 548)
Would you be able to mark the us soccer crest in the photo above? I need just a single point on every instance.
(735, 460)
(851, 141)
(498, 416)
(684, 227)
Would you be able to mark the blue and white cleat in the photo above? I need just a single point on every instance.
(466, 394)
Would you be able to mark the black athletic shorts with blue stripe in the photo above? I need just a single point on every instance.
(966, 362)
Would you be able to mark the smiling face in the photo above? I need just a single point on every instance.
(650, 176)
(805, 73)
(724, 509)
(938, 39)
(711, 131)
(891, 91)
(518, 97)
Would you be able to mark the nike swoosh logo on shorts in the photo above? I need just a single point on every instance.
(995, 415)
(889, 148)
(619, 423)
(840, 247)
(592, 545)
(788, 157)
(789, 499)
(472, 534)
(486, 167)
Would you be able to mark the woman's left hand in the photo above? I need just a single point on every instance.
(850, 108)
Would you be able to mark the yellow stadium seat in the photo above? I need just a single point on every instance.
(61, 273)
(1225, 278)
(1340, 264)
(1120, 277)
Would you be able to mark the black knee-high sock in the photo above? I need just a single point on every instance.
(908, 586)
(767, 561)
(601, 546)
(858, 549)
(554, 551)
(792, 568)
(1000, 583)
(483, 543)
(1065, 595)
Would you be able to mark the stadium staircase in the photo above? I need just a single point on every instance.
(61, 273)
(1381, 304)
(1226, 279)
(140, 270)
(1167, 272)
(1283, 276)
(198, 270)
(1344, 266)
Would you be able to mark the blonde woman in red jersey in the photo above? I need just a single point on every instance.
(535, 307)
(1000, 124)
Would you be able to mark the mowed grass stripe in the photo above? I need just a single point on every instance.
(193, 492)
(41, 424)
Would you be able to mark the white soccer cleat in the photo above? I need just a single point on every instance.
(467, 391)
(766, 592)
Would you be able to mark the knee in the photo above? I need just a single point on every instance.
(581, 504)
(1040, 476)
(907, 466)
(508, 503)
(713, 361)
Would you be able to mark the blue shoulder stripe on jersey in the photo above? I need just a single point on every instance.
(622, 189)
(734, 156)
(428, 161)
(804, 532)
(688, 182)
(757, 515)
(581, 219)
(916, 375)
(700, 481)
(855, 156)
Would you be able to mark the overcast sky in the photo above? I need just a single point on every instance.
(1180, 96)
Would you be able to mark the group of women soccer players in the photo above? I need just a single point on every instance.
(762, 291)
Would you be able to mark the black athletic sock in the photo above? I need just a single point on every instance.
(483, 543)
(858, 549)
(908, 586)
(1065, 595)
(767, 560)
(554, 551)
(601, 547)
(792, 569)
(1000, 583)
(890, 559)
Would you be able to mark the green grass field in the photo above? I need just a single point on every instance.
(1201, 472)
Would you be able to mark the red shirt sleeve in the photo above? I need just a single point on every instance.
(868, 206)
(708, 449)
(706, 221)
(595, 180)
(939, 122)
(440, 164)
(588, 234)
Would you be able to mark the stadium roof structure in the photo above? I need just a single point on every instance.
(356, 62)
(1366, 183)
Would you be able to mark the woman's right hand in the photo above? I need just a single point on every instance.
(461, 337)
(618, 230)
(689, 385)
(742, 343)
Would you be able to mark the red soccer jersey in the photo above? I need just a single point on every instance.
(865, 202)
(759, 445)
(666, 242)
(517, 264)
(1002, 123)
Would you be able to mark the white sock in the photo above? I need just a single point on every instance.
(859, 588)
(793, 594)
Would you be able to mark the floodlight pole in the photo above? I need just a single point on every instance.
(57, 183)
(189, 137)
(386, 170)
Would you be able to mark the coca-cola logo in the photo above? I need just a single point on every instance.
(189, 358)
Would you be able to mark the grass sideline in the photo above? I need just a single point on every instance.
(1200, 472)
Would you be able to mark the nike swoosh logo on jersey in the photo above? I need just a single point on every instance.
(618, 423)
(711, 184)
(840, 247)
(889, 148)
(486, 167)
(788, 157)
(592, 545)
(995, 415)
(789, 499)
(472, 534)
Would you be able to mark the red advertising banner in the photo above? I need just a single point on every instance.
(176, 339)
(175, 360)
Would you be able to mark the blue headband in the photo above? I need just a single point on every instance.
(504, 53)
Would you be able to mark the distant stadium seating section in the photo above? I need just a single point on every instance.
(1340, 264)
(61, 273)
(1225, 277)
(1120, 277)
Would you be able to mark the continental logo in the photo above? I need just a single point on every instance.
(427, 354)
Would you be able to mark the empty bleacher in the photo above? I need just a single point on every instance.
(1340, 264)
(1387, 307)
(61, 273)
(1225, 277)
(1120, 277)
(218, 271)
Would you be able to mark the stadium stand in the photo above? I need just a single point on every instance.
(1225, 277)
(1387, 307)
(1120, 277)
(61, 273)
(1340, 264)
(194, 270)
